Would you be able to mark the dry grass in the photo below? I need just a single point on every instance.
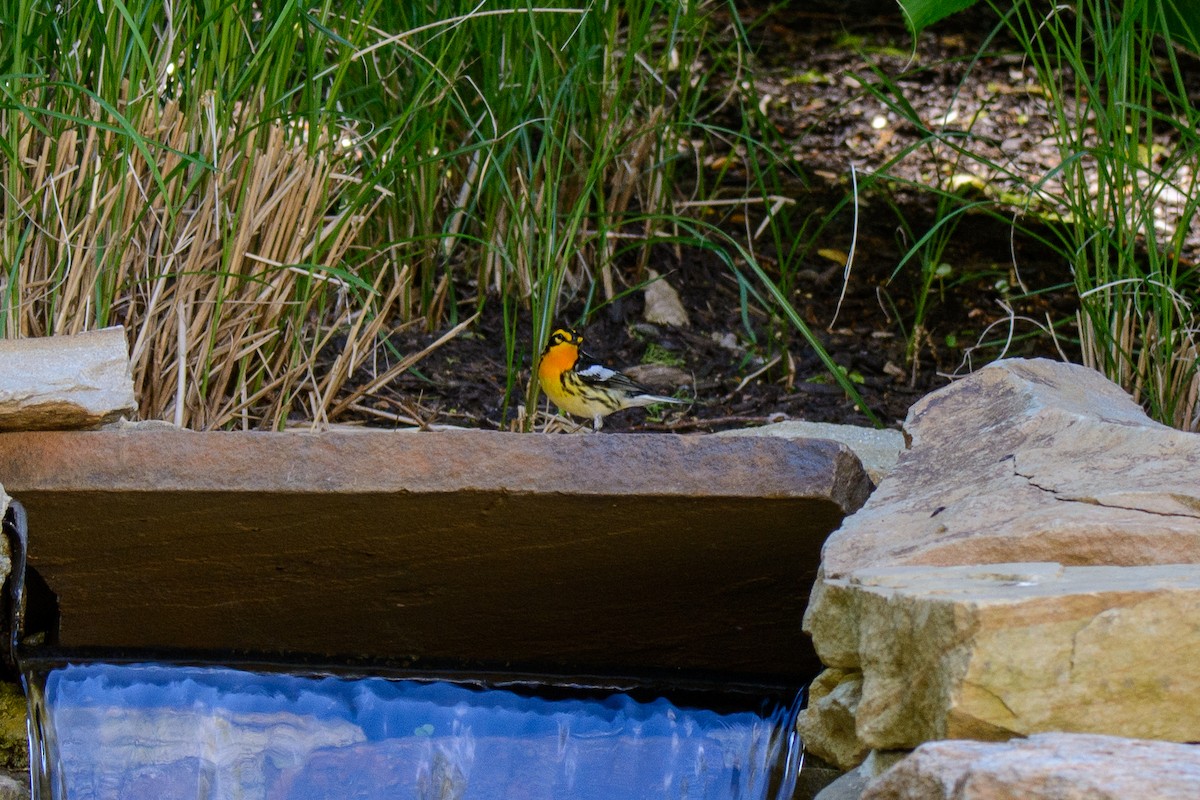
(228, 283)
(1151, 366)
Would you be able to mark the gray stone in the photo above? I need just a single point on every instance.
(848, 787)
(854, 783)
(1051, 766)
(14, 786)
(65, 382)
(878, 450)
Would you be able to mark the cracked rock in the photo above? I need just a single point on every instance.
(1062, 501)
(1030, 460)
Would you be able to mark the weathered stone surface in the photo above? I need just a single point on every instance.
(65, 382)
(849, 786)
(1024, 461)
(1051, 766)
(1030, 460)
(988, 652)
(582, 554)
(827, 724)
(815, 775)
(852, 784)
(878, 450)
(14, 786)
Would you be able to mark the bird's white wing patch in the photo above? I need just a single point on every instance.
(597, 372)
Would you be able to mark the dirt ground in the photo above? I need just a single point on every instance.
(994, 294)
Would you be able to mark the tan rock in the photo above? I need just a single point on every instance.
(663, 306)
(1052, 766)
(1030, 461)
(1022, 461)
(65, 382)
(826, 725)
(1013, 649)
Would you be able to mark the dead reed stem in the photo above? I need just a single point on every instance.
(229, 283)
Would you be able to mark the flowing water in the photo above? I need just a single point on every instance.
(163, 732)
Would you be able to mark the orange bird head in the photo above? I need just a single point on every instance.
(561, 353)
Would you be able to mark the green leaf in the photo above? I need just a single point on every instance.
(920, 14)
(1183, 22)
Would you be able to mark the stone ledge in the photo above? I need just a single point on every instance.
(607, 554)
(609, 465)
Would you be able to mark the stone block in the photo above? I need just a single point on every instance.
(1013, 649)
(65, 382)
(579, 555)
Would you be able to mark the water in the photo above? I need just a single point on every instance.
(211, 733)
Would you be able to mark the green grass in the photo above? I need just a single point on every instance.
(263, 193)
(1113, 85)
(1112, 80)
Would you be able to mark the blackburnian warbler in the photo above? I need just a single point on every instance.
(584, 388)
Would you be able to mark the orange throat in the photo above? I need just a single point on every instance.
(555, 362)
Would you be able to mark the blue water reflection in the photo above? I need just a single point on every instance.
(159, 732)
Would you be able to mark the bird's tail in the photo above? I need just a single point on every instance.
(651, 399)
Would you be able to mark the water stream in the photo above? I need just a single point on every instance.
(162, 732)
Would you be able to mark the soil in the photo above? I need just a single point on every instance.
(995, 294)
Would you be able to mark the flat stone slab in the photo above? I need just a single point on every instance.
(65, 382)
(581, 554)
(1049, 766)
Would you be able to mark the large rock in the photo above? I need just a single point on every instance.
(1052, 766)
(1024, 461)
(991, 652)
(65, 382)
(1030, 460)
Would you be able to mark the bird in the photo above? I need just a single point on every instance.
(579, 386)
